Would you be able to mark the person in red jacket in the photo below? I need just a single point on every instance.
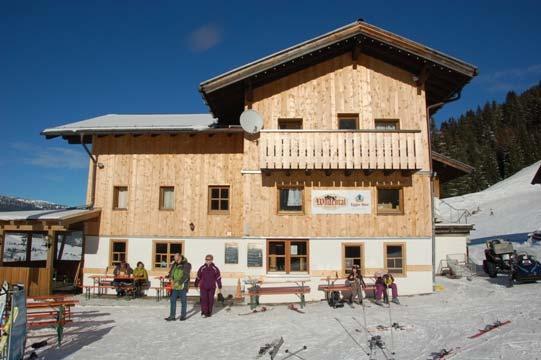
(208, 276)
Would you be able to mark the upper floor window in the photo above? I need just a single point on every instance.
(167, 197)
(290, 199)
(390, 201)
(348, 121)
(387, 124)
(290, 124)
(218, 199)
(120, 197)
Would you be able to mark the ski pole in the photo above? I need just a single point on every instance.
(391, 324)
(351, 336)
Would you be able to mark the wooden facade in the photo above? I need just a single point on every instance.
(368, 88)
(188, 163)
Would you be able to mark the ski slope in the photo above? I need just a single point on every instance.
(510, 208)
(136, 329)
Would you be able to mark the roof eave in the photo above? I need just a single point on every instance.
(341, 34)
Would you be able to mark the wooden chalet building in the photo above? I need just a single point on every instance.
(340, 173)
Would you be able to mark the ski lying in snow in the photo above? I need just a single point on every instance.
(294, 308)
(395, 326)
(265, 348)
(489, 327)
(442, 354)
(255, 311)
(276, 348)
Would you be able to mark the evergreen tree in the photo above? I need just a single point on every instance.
(497, 140)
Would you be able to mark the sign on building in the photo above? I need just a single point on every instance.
(341, 202)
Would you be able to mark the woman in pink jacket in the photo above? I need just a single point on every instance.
(208, 276)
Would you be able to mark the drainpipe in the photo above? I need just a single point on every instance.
(454, 97)
(95, 165)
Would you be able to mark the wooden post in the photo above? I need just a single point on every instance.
(50, 261)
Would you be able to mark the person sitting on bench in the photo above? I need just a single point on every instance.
(383, 282)
(122, 274)
(140, 279)
(356, 281)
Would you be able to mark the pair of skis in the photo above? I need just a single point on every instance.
(448, 353)
(273, 348)
(256, 311)
(295, 308)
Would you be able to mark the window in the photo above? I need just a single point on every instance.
(352, 255)
(69, 245)
(167, 197)
(119, 250)
(390, 201)
(387, 124)
(218, 199)
(348, 122)
(394, 258)
(287, 256)
(164, 253)
(290, 124)
(25, 249)
(290, 199)
(120, 198)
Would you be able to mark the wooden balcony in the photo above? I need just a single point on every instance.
(341, 149)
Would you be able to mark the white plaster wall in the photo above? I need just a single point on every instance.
(449, 244)
(325, 254)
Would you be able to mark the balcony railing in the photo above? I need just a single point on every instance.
(341, 149)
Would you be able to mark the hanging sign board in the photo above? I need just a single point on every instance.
(341, 202)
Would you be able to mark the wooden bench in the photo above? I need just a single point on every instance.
(45, 310)
(100, 289)
(299, 290)
(331, 286)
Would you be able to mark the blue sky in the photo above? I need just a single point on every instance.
(63, 61)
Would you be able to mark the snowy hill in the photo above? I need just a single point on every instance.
(510, 208)
(10, 203)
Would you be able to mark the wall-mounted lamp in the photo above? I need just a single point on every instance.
(48, 241)
(100, 165)
(192, 226)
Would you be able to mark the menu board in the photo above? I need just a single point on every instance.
(231, 253)
(255, 255)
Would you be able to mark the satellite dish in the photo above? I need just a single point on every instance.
(251, 121)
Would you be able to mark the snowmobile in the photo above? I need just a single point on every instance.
(498, 257)
(526, 268)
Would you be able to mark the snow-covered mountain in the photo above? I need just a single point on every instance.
(510, 207)
(10, 203)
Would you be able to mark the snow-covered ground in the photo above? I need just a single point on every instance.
(512, 206)
(441, 320)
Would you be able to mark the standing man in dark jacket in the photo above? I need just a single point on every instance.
(208, 276)
(179, 276)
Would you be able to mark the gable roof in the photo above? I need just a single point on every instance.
(132, 124)
(224, 94)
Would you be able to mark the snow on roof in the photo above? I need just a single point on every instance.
(113, 123)
(60, 214)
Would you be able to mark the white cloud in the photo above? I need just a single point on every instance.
(204, 37)
(51, 157)
(510, 79)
